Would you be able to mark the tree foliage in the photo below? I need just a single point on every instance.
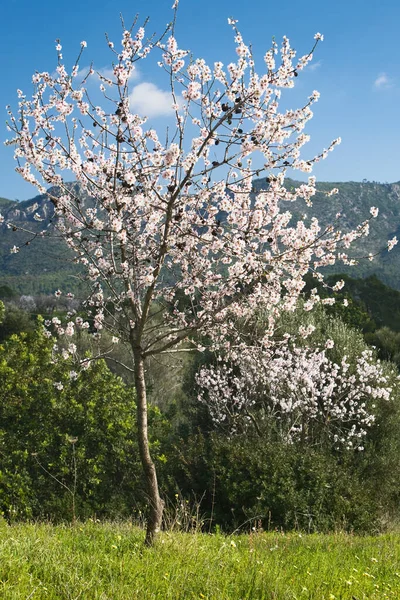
(64, 441)
(84, 435)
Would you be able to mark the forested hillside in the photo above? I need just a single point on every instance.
(353, 202)
(43, 264)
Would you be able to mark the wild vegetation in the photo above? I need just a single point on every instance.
(100, 561)
(68, 444)
(207, 384)
(183, 251)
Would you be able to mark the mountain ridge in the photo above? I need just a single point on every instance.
(48, 262)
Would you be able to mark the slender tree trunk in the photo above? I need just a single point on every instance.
(156, 504)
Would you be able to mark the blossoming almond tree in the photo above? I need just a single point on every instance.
(172, 238)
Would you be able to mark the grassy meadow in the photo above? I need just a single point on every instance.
(107, 561)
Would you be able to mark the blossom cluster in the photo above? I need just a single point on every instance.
(152, 221)
(308, 396)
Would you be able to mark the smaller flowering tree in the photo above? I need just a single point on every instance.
(305, 394)
(168, 229)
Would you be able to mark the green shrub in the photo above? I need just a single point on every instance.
(59, 447)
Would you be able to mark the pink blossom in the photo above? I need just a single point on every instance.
(392, 243)
(374, 211)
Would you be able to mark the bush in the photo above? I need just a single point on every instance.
(246, 477)
(64, 441)
(247, 481)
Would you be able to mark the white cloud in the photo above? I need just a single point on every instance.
(148, 100)
(314, 66)
(383, 82)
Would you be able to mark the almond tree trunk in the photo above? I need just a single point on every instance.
(156, 504)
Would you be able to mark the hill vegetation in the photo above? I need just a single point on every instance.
(44, 264)
(68, 446)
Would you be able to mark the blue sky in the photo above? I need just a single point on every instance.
(356, 69)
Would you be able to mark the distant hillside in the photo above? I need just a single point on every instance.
(44, 264)
(378, 305)
(4, 202)
(354, 201)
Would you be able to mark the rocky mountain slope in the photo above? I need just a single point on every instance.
(43, 264)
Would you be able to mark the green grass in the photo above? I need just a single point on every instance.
(109, 562)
